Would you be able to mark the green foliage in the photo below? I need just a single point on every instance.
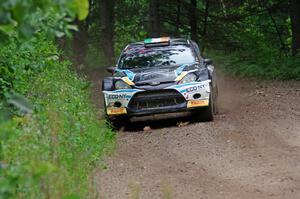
(130, 27)
(257, 65)
(94, 57)
(51, 152)
(50, 145)
(16, 15)
(20, 61)
(252, 40)
(255, 36)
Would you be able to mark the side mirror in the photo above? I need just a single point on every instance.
(208, 61)
(111, 69)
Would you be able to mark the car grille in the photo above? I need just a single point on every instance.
(156, 99)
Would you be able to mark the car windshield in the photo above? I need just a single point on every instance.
(143, 57)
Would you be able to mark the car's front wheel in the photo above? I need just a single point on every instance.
(118, 122)
(206, 114)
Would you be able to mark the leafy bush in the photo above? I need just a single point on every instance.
(52, 152)
(19, 17)
(130, 27)
(261, 65)
(19, 62)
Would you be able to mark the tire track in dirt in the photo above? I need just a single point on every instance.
(251, 150)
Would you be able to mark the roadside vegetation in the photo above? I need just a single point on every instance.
(272, 67)
(50, 137)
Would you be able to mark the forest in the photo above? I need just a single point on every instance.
(51, 138)
(258, 38)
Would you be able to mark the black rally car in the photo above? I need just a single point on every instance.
(158, 76)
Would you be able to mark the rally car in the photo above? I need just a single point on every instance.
(159, 76)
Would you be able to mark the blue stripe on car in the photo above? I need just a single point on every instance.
(187, 84)
(126, 90)
(128, 73)
(179, 70)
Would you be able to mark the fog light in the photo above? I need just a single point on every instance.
(197, 96)
(117, 104)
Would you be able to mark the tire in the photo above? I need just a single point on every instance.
(215, 100)
(208, 112)
(117, 123)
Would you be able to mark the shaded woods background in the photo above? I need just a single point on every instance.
(259, 37)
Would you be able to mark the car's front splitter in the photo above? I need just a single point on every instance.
(196, 95)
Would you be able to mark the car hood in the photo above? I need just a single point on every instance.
(154, 76)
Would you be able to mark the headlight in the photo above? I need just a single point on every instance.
(191, 77)
(121, 85)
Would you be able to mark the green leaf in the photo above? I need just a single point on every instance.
(8, 29)
(82, 7)
(72, 27)
(26, 30)
(59, 34)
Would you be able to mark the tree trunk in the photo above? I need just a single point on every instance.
(178, 13)
(154, 18)
(223, 7)
(295, 19)
(193, 20)
(282, 44)
(80, 42)
(107, 29)
(205, 18)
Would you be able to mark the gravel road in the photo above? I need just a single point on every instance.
(251, 150)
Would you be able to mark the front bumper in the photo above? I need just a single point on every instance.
(176, 98)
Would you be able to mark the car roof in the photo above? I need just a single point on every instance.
(173, 41)
(142, 45)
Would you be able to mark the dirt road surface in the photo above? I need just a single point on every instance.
(251, 150)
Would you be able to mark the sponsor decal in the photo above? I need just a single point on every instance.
(197, 103)
(118, 96)
(194, 88)
(116, 111)
(123, 96)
